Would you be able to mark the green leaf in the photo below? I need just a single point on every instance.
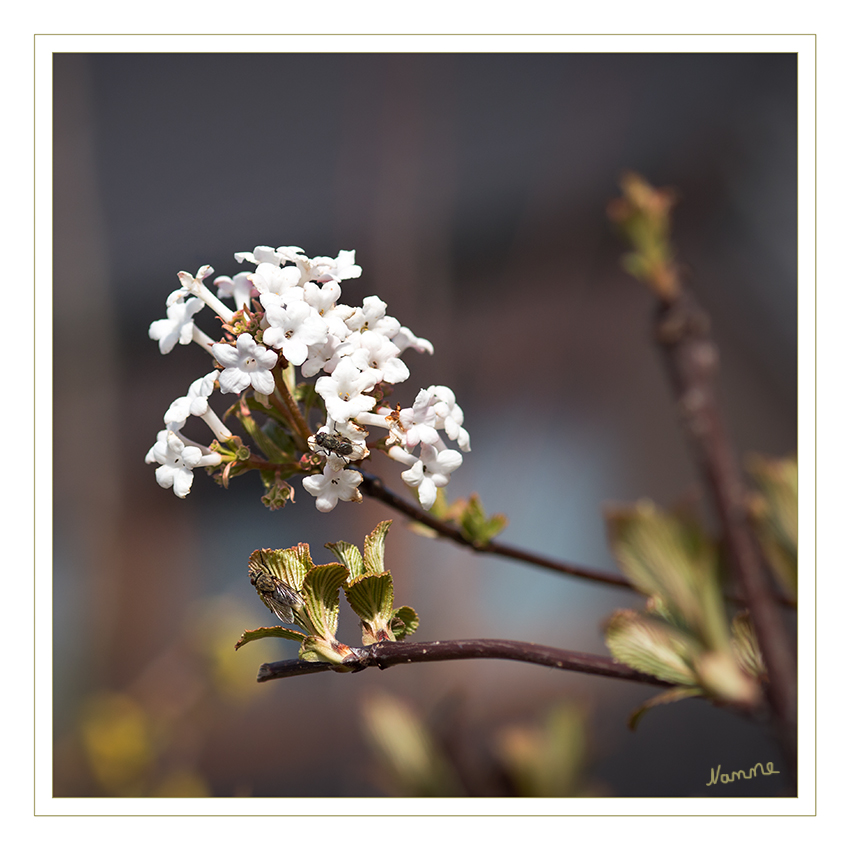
(269, 631)
(321, 598)
(348, 554)
(404, 622)
(289, 565)
(745, 646)
(652, 646)
(277, 443)
(371, 598)
(670, 558)
(669, 696)
(412, 761)
(547, 761)
(773, 511)
(720, 675)
(477, 527)
(373, 547)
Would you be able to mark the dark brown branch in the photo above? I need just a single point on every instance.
(375, 488)
(387, 654)
(691, 356)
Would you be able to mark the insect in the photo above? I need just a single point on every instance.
(335, 444)
(277, 595)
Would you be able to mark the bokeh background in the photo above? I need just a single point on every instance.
(473, 188)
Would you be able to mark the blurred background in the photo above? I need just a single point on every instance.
(473, 188)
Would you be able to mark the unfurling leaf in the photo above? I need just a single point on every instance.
(672, 695)
(404, 622)
(412, 761)
(773, 511)
(269, 631)
(745, 646)
(371, 598)
(652, 646)
(321, 598)
(348, 554)
(548, 761)
(373, 548)
(670, 559)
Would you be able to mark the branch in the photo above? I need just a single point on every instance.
(691, 356)
(375, 488)
(388, 654)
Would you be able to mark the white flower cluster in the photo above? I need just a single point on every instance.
(303, 320)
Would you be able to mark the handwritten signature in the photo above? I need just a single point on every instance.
(726, 778)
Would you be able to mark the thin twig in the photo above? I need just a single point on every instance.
(387, 654)
(375, 488)
(691, 356)
(290, 409)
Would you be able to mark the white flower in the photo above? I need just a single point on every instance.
(177, 462)
(324, 299)
(272, 278)
(418, 424)
(195, 403)
(195, 286)
(405, 339)
(293, 329)
(322, 269)
(333, 484)
(239, 288)
(375, 351)
(449, 416)
(248, 363)
(260, 254)
(372, 316)
(343, 390)
(432, 470)
(324, 356)
(178, 327)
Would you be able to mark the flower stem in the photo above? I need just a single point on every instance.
(286, 404)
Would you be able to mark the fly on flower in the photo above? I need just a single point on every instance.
(277, 595)
(338, 445)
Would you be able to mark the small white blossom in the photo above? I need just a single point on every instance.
(418, 424)
(333, 484)
(375, 351)
(343, 390)
(260, 254)
(325, 356)
(271, 278)
(239, 288)
(179, 325)
(405, 339)
(324, 268)
(372, 316)
(246, 364)
(293, 329)
(177, 462)
(432, 470)
(195, 286)
(196, 403)
(449, 416)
